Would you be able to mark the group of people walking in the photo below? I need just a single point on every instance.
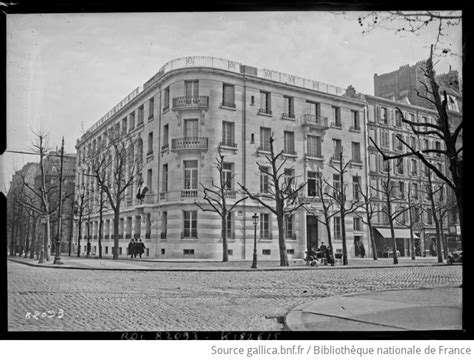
(136, 247)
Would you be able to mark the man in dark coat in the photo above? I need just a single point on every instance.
(140, 247)
(131, 248)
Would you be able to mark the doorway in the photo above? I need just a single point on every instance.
(311, 231)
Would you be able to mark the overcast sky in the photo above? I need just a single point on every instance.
(65, 71)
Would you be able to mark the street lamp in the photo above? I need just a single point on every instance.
(255, 222)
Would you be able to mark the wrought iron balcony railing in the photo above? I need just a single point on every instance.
(189, 143)
(190, 102)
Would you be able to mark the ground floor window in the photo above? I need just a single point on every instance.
(265, 226)
(190, 224)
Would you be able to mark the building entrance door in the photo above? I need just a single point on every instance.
(311, 231)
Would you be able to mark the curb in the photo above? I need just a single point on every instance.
(289, 268)
(293, 318)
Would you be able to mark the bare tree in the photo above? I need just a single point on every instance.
(411, 204)
(367, 203)
(338, 194)
(283, 195)
(433, 192)
(112, 166)
(328, 210)
(445, 130)
(413, 22)
(216, 196)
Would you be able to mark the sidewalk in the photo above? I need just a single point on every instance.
(393, 310)
(143, 264)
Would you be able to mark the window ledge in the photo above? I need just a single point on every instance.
(353, 129)
(334, 126)
(264, 114)
(165, 110)
(288, 118)
(226, 107)
(265, 240)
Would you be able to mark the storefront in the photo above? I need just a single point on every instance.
(383, 241)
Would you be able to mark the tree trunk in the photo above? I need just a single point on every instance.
(79, 234)
(100, 223)
(225, 252)
(372, 238)
(33, 239)
(281, 238)
(47, 243)
(27, 242)
(116, 232)
(344, 244)
(394, 242)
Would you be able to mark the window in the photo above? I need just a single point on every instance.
(429, 218)
(356, 152)
(265, 134)
(396, 142)
(414, 167)
(289, 105)
(165, 178)
(140, 115)
(337, 146)
(166, 99)
(229, 226)
(314, 179)
(337, 227)
(438, 147)
(124, 125)
(266, 252)
(336, 116)
(228, 95)
(357, 223)
(398, 118)
(336, 183)
(399, 166)
(228, 134)
(106, 250)
(401, 189)
(355, 120)
(164, 224)
(192, 90)
(190, 224)
(425, 144)
(188, 251)
(265, 102)
(414, 190)
(373, 162)
(166, 134)
(288, 178)
(412, 118)
(149, 179)
(384, 139)
(289, 225)
(227, 175)
(191, 127)
(264, 179)
(313, 108)
(383, 115)
(265, 226)
(314, 146)
(289, 142)
(151, 108)
(190, 174)
(356, 188)
(413, 143)
(131, 122)
(150, 143)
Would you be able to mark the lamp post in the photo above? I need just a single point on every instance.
(255, 222)
(57, 258)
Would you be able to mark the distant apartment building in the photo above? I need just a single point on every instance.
(195, 107)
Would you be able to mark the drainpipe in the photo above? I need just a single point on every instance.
(367, 189)
(244, 154)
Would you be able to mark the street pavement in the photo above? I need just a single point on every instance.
(92, 295)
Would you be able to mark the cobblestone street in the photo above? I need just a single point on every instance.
(96, 300)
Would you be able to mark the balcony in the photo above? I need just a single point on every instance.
(191, 103)
(189, 143)
(315, 121)
(189, 193)
(129, 201)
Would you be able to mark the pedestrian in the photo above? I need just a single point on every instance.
(141, 247)
(362, 250)
(131, 247)
(324, 250)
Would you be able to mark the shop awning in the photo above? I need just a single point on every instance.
(399, 233)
